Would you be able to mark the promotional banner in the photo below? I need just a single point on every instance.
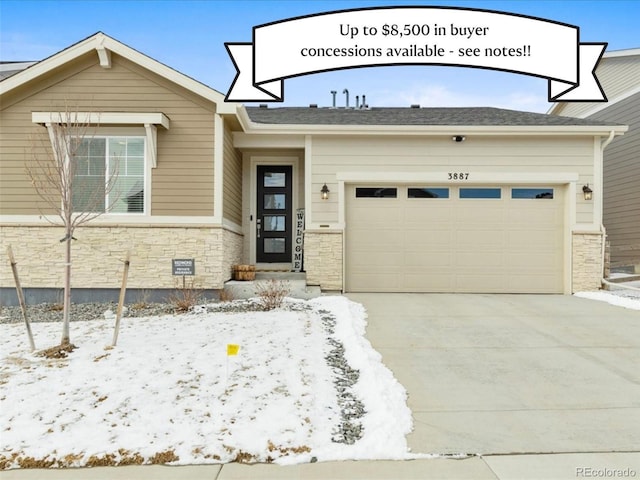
(415, 36)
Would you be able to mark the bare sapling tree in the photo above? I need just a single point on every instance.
(73, 183)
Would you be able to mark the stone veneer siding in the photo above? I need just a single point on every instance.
(99, 250)
(587, 261)
(323, 259)
(232, 247)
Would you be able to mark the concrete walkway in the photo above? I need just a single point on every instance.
(525, 467)
(504, 374)
(532, 387)
(569, 466)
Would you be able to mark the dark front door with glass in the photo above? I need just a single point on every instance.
(274, 214)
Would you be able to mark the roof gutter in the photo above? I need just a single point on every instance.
(553, 130)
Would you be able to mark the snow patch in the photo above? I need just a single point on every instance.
(170, 391)
(632, 302)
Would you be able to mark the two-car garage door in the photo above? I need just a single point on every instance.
(406, 238)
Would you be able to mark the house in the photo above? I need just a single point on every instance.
(619, 74)
(394, 199)
(9, 68)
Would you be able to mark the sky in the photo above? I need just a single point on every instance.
(189, 36)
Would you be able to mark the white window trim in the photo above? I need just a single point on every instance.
(149, 120)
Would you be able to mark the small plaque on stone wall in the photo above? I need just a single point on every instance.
(183, 266)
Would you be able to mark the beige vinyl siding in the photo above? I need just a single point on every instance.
(439, 154)
(17, 195)
(621, 211)
(232, 202)
(617, 75)
(182, 183)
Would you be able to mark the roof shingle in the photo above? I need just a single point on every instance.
(456, 116)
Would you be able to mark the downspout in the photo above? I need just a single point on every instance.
(604, 145)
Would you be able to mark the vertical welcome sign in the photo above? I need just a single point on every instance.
(445, 36)
(298, 240)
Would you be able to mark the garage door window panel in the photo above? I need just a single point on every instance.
(532, 193)
(428, 192)
(376, 192)
(481, 193)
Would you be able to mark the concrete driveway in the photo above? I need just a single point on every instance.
(498, 374)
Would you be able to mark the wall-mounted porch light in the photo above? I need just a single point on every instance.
(588, 193)
(324, 193)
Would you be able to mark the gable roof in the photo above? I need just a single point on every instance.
(103, 46)
(458, 116)
(11, 68)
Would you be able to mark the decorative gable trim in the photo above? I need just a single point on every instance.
(104, 118)
(104, 54)
(104, 46)
(149, 120)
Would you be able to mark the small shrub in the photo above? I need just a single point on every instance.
(185, 298)
(271, 293)
(58, 305)
(58, 351)
(167, 456)
(142, 300)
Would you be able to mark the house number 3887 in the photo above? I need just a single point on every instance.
(458, 176)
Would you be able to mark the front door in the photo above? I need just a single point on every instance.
(274, 214)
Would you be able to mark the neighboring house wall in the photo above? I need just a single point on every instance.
(619, 75)
(621, 180)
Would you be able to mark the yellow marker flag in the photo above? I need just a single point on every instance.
(232, 349)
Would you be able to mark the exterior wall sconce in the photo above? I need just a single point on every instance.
(588, 193)
(324, 193)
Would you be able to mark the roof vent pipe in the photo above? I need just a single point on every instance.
(346, 92)
(333, 92)
(364, 103)
(415, 105)
(357, 101)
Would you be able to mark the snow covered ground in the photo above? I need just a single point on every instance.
(618, 295)
(170, 393)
